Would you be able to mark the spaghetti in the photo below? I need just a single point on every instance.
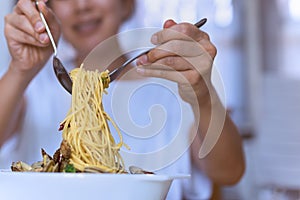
(86, 127)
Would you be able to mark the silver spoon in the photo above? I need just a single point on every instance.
(59, 70)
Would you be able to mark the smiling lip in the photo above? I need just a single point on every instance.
(87, 27)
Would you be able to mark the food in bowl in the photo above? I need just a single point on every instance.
(87, 145)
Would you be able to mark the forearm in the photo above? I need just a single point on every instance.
(12, 87)
(224, 163)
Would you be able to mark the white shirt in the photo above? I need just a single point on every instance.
(153, 119)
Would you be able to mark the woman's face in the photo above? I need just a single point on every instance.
(85, 23)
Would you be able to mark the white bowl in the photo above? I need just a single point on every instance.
(83, 186)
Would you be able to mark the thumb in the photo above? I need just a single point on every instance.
(169, 23)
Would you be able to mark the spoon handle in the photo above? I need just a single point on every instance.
(47, 28)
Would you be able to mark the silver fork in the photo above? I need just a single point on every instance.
(59, 70)
(116, 72)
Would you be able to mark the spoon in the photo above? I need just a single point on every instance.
(59, 70)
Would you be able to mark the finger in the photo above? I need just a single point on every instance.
(191, 77)
(209, 47)
(169, 23)
(182, 77)
(29, 9)
(50, 19)
(19, 11)
(48, 14)
(21, 23)
(22, 37)
(176, 47)
(200, 65)
(182, 31)
(170, 63)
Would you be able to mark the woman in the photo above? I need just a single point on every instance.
(31, 106)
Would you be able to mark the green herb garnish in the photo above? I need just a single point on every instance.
(70, 168)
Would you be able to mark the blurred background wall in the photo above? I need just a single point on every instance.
(258, 57)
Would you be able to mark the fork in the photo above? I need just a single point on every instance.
(116, 72)
(59, 70)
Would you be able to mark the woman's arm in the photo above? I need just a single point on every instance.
(185, 55)
(12, 105)
(29, 47)
(224, 164)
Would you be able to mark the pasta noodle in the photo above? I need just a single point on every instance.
(87, 145)
(86, 127)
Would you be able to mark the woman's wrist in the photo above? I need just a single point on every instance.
(18, 75)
